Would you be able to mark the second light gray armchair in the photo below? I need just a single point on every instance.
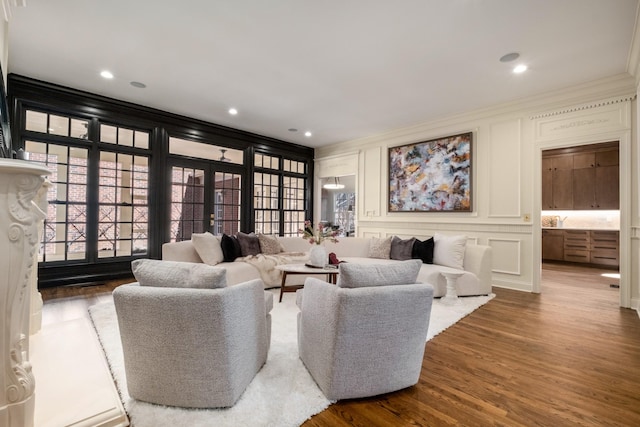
(367, 335)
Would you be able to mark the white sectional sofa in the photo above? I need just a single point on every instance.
(475, 276)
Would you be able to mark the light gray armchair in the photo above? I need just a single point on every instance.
(363, 337)
(193, 347)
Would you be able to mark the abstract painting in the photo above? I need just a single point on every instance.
(431, 176)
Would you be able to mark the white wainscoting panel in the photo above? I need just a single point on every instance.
(374, 170)
(504, 169)
(505, 255)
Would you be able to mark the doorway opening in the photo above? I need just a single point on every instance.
(580, 217)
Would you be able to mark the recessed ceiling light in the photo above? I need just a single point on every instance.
(139, 85)
(233, 111)
(106, 74)
(510, 57)
(520, 69)
(308, 134)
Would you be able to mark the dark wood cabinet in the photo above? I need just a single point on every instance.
(605, 248)
(581, 178)
(607, 182)
(596, 247)
(557, 176)
(553, 245)
(577, 245)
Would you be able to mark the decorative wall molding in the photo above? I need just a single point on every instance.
(331, 166)
(512, 284)
(414, 227)
(593, 119)
(512, 247)
(585, 106)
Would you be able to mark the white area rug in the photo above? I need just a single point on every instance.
(282, 393)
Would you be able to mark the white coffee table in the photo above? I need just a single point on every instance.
(291, 269)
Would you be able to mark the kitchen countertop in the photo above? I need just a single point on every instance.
(582, 228)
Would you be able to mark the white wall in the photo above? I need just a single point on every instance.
(4, 46)
(508, 140)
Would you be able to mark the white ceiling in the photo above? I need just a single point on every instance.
(341, 69)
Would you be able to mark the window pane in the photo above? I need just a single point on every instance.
(187, 203)
(109, 134)
(141, 139)
(36, 121)
(118, 218)
(79, 129)
(65, 225)
(227, 196)
(58, 125)
(125, 137)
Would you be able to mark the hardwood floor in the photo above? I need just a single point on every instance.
(567, 357)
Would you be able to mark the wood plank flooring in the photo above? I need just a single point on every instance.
(567, 357)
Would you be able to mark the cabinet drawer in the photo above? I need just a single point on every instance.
(577, 234)
(605, 257)
(603, 245)
(551, 232)
(605, 236)
(574, 255)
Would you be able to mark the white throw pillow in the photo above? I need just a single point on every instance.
(174, 274)
(208, 247)
(380, 248)
(449, 250)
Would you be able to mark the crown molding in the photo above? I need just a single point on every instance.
(585, 106)
(612, 87)
(633, 61)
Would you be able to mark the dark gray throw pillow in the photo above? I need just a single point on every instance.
(230, 248)
(249, 243)
(401, 250)
(423, 250)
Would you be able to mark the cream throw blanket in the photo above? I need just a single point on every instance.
(266, 264)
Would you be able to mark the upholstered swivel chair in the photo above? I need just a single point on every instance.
(366, 335)
(193, 347)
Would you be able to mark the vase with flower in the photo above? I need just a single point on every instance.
(316, 236)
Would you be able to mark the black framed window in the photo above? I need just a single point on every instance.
(123, 205)
(279, 195)
(65, 226)
(114, 196)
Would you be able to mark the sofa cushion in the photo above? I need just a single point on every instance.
(249, 243)
(449, 250)
(423, 250)
(269, 245)
(365, 275)
(230, 248)
(380, 248)
(174, 274)
(401, 249)
(208, 247)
